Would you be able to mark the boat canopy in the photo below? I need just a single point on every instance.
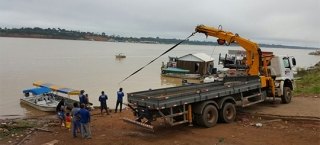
(57, 88)
(37, 91)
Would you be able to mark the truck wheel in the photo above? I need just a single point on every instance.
(228, 113)
(287, 95)
(209, 116)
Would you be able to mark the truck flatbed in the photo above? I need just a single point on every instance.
(175, 96)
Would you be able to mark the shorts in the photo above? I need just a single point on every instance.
(61, 115)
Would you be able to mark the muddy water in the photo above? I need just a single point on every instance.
(92, 66)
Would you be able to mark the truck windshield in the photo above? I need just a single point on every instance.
(286, 62)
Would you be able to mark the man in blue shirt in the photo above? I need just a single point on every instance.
(103, 102)
(84, 121)
(120, 95)
(81, 97)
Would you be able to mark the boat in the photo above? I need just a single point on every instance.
(46, 96)
(120, 55)
(178, 73)
(190, 66)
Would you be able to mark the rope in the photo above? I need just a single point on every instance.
(158, 57)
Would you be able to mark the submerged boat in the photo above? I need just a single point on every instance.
(46, 96)
(120, 55)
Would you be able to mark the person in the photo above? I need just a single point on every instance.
(68, 121)
(120, 95)
(103, 102)
(82, 97)
(86, 101)
(75, 124)
(60, 109)
(84, 121)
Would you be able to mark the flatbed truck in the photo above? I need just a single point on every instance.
(265, 75)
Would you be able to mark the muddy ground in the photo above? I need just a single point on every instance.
(277, 128)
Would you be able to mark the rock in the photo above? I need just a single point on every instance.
(9, 141)
(315, 96)
(258, 124)
(51, 142)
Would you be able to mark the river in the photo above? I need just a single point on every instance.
(92, 66)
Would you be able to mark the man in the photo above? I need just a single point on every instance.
(84, 121)
(75, 124)
(120, 95)
(81, 97)
(103, 102)
(60, 109)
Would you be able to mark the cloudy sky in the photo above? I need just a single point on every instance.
(290, 22)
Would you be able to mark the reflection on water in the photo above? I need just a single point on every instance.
(32, 112)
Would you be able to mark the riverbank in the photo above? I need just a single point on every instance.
(251, 127)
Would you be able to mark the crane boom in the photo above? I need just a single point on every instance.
(253, 52)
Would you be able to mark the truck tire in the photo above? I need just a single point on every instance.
(287, 95)
(228, 113)
(209, 116)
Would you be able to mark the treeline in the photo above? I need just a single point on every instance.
(58, 33)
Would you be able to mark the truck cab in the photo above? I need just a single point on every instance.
(282, 70)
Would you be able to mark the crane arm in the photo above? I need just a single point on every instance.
(253, 52)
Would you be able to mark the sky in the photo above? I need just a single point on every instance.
(287, 22)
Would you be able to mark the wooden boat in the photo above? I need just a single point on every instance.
(178, 73)
(46, 96)
(120, 55)
(183, 76)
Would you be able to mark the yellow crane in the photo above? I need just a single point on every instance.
(256, 62)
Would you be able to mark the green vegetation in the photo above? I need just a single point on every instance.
(15, 126)
(309, 82)
(58, 33)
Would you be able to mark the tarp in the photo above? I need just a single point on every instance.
(57, 88)
(37, 91)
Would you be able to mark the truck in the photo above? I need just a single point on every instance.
(264, 75)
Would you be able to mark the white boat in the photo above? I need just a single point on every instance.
(45, 96)
(41, 99)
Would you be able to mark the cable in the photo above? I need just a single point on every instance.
(158, 57)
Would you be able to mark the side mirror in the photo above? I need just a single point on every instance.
(294, 61)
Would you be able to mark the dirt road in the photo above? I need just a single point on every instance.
(110, 129)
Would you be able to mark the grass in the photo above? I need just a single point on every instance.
(309, 83)
(15, 126)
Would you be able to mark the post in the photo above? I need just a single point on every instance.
(190, 115)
